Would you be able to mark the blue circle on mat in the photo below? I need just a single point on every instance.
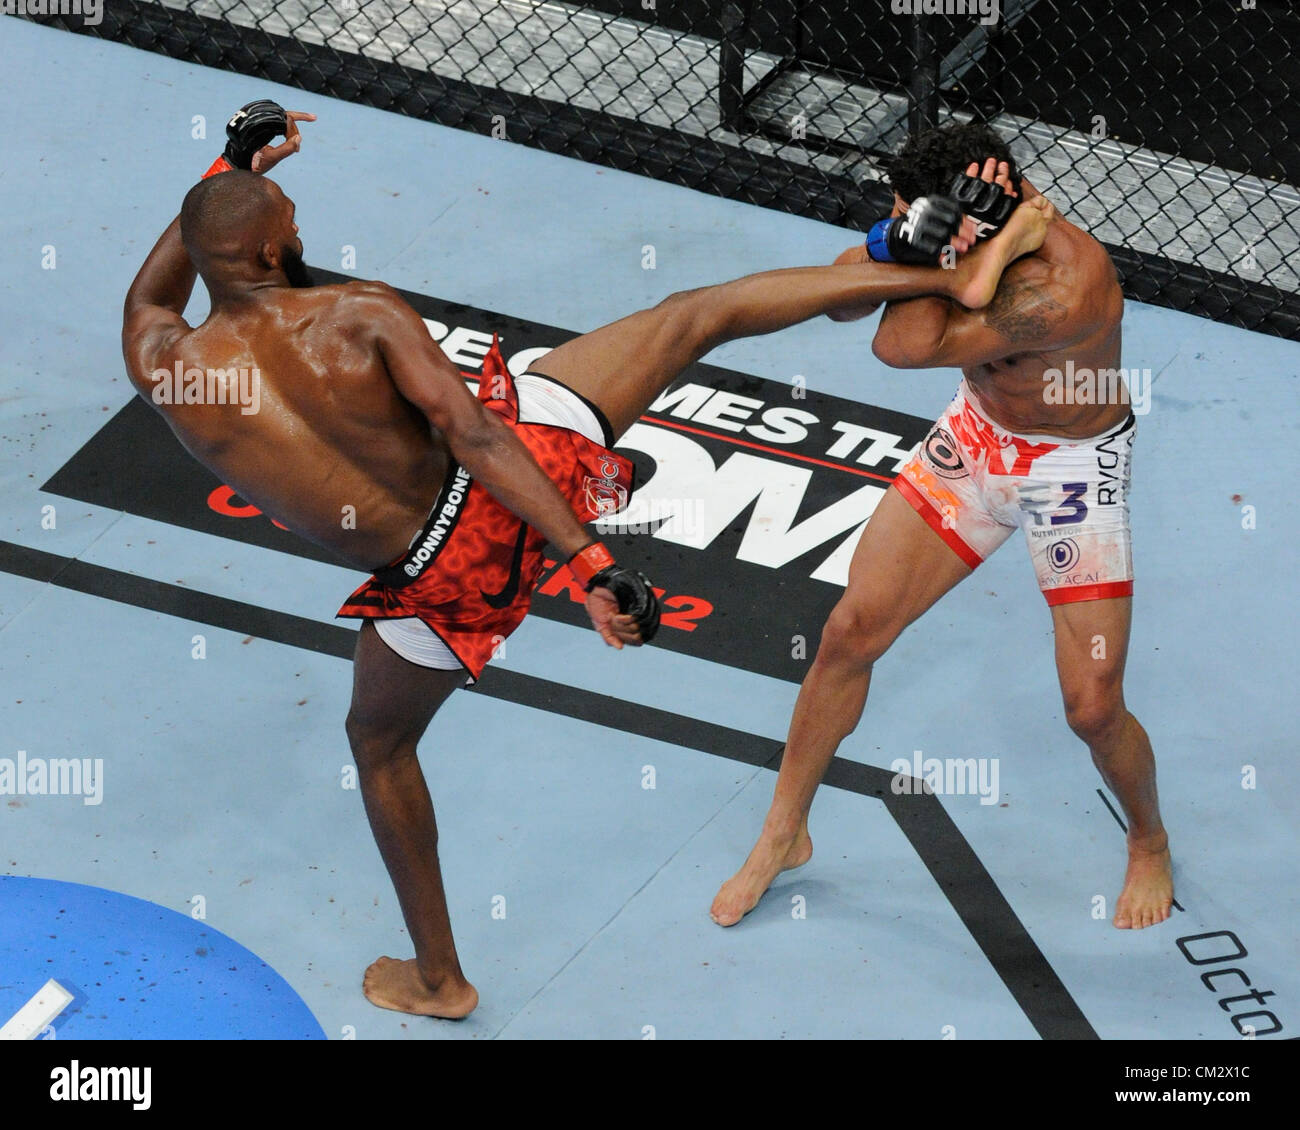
(138, 971)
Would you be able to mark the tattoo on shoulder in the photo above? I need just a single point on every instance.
(1023, 311)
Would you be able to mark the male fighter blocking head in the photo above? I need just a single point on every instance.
(1002, 457)
(369, 443)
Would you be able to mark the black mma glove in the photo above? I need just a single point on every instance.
(252, 127)
(919, 236)
(984, 202)
(594, 567)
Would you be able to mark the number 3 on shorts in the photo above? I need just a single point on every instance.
(1078, 509)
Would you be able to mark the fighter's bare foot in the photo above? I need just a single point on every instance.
(395, 984)
(1148, 890)
(978, 273)
(771, 855)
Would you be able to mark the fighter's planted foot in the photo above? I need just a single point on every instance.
(395, 984)
(771, 855)
(1148, 892)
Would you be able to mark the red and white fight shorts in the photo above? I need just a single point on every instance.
(974, 483)
(466, 580)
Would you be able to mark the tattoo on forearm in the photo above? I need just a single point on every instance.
(1022, 311)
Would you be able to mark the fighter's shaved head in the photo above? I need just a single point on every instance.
(227, 213)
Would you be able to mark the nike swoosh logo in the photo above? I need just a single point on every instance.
(506, 596)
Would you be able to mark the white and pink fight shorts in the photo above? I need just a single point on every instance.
(974, 483)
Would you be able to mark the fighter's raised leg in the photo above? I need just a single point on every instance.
(622, 367)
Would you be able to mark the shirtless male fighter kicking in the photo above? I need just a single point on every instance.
(1000, 457)
(369, 443)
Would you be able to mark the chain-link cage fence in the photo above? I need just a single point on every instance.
(1164, 127)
